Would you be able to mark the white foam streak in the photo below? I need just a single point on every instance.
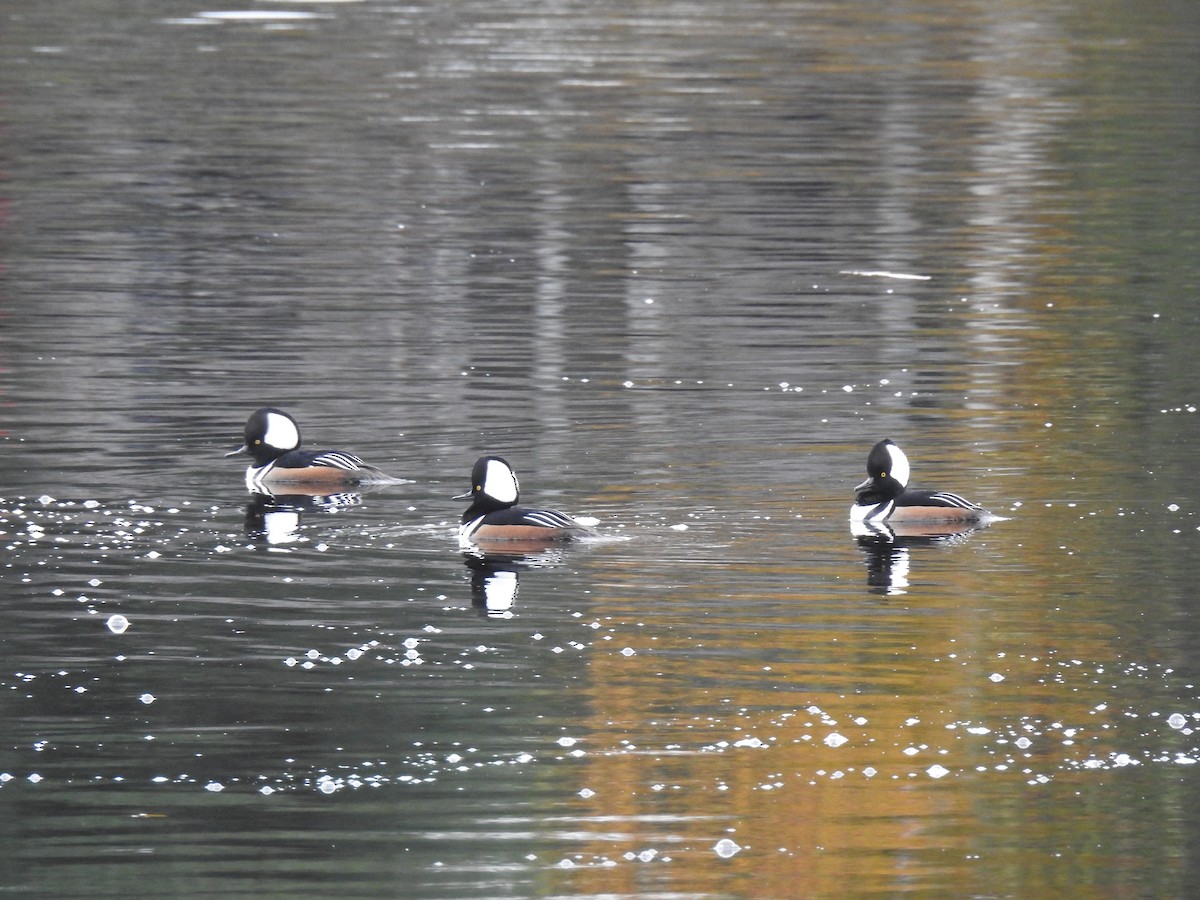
(899, 276)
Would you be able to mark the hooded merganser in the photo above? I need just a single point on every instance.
(885, 495)
(495, 516)
(273, 441)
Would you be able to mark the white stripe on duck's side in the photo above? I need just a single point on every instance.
(549, 518)
(876, 513)
(336, 459)
(466, 529)
(954, 500)
(256, 477)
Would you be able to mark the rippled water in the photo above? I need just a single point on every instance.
(682, 264)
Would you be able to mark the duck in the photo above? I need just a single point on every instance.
(495, 516)
(886, 497)
(272, 440)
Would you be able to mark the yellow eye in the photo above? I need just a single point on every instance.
(883, 474)
(257, 442)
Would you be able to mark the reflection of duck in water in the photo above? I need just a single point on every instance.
(277, 517)
(494, 519)
(886, 497)
(495, 578)
(888, 547)
(273, 442)
(493, 587)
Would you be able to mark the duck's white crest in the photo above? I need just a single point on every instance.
(500, 482)
(899, 468)
(281, 432)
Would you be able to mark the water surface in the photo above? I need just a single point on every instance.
(681, 264)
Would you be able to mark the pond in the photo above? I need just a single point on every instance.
(682, 265)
